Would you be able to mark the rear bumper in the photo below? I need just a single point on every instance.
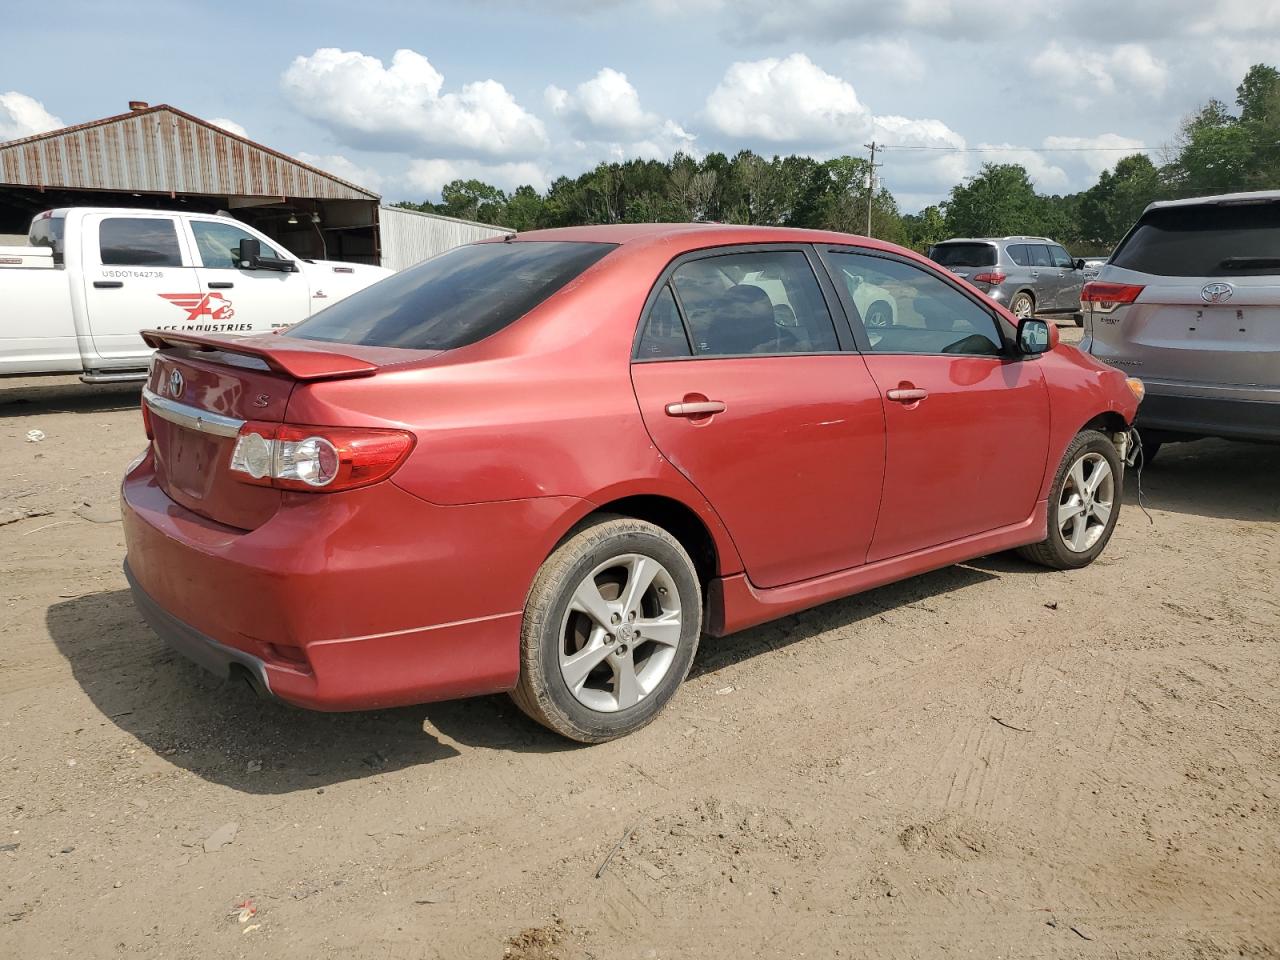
(366, 599)
(1210, 416)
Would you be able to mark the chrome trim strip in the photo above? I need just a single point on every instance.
(193, 418)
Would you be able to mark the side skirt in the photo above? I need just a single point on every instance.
(734, 604)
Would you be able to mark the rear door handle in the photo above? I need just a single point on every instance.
(220, 284)
(699, 408)
(107, 284)
(907, 396)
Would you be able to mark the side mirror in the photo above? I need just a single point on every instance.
(249, 254)
(1033, 336)
(1079, 264)
(250, 257)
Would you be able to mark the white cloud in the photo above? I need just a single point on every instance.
(1048, 177)
(344, 169)
(402, 107)
(1095, 153)
(230, 126)
(426, 177)
(22, 116)
(607, 102)
(1082, 74)
(792, 100)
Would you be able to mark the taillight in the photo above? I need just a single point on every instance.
(317, 459)
(1105, 297)
(146, 421)
(993, 277)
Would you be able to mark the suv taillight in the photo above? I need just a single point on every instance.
(1105, 297)
(993, 277)
(317, 459)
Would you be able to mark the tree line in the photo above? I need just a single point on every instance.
(1216, 150)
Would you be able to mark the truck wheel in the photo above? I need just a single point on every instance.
(1084, 504)
(611, 626)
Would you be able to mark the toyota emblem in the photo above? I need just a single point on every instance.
(176, 384)
(1216, 292)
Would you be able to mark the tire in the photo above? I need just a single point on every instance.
(1024, 301)
(1078, 318)
(561, 642)
(1070, 550)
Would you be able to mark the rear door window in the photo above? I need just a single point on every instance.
(754, 303)
(664, 335)
(455, 299)
(965, 254)
(1039, 254)
(1207, 240)
(139, 242)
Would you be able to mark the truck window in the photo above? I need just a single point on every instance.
(218, 243)
(46, 231)
(139, 242)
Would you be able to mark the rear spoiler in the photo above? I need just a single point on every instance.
(298, 364)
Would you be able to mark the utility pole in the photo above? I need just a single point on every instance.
(871, 181)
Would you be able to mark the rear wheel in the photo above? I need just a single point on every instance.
(1084, 504)
(1022, 305)
(610, 630)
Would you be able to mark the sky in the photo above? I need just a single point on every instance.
(404, 95)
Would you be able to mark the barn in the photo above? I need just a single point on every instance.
(160, 157)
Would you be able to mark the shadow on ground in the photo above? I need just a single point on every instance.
(1230, 480)
(33, 396)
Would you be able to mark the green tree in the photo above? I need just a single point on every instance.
(922, 230)
(1000, 200)
(1111, 206)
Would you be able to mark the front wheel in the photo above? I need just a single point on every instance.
(611, 626)
(1084, 504)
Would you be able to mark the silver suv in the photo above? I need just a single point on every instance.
(1027, 275)
(1190, 303)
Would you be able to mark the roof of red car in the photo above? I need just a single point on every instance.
(693, 235)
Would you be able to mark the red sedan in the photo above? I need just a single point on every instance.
(549, 464)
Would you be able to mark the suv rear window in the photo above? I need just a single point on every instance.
(1229, 240)
(455, 299)
(964, 254)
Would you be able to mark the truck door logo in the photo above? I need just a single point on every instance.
(212, 305)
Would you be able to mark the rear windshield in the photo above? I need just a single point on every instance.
(454, 299)
(1204, 241)
(964, 254)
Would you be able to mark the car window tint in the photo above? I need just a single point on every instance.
(1204, 240)
(1019, 255)
(905, 309)
(464, 295)
(964, 254)
(742, 303)
(1039, 255)
(663, 334)
(218, 243)
(139, 242)
(1060, 257)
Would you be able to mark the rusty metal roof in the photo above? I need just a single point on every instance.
(161, 149)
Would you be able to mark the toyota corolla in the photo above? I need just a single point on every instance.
(550, 464)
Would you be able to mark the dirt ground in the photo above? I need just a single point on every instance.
(988, 761)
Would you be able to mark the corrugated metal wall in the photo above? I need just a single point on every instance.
(163, 150)
(409, 237)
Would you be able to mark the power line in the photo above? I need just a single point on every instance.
(1022, 149)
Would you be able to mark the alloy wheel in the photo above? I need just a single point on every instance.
(1088, 497)
(619, 636)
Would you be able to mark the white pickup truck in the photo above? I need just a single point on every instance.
(74, 299)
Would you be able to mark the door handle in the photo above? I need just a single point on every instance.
(220, 284)
(107, 284)
(1035, 273)
(907, 396)
(699, 408)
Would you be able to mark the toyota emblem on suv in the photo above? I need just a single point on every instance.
(1216, 292)
(176, 386)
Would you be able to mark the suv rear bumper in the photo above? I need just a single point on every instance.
(1210, 416)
